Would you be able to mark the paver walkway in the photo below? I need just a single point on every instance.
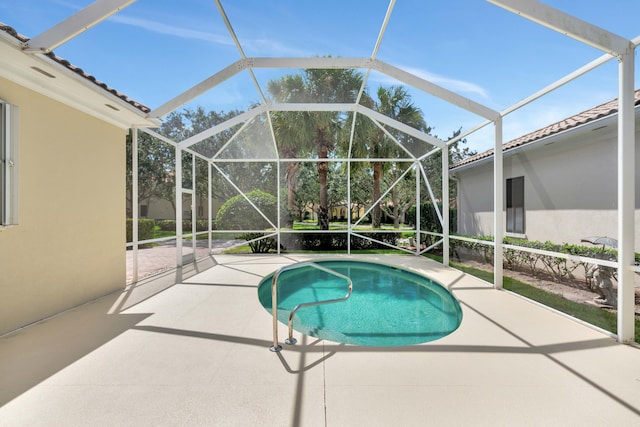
(164, 257)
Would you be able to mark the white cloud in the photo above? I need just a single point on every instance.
(160, 28)
(269, 47)
(172, 30)
(458, 86)
(263, 45)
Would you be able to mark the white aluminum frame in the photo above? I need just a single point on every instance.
(9, 165)
(609, 43)
(79, 22)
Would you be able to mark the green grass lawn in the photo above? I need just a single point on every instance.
(158, 234)
(596, 316)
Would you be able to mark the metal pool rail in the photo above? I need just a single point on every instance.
(274, 300)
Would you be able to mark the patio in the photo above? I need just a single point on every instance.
(196, 353)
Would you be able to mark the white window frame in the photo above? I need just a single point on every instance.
(8, 164)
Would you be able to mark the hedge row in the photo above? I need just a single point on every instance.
(335, 241)
(145, 229)
(560, 269)
(319, 241)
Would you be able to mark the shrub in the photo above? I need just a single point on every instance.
(336, 241)
(166, 224)
(386, 237)
(558, 268)
(429, 220)
(315, 241)
(238, 214)
(145, 229)
(260, 245)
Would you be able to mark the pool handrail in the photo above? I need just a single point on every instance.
(274, 299)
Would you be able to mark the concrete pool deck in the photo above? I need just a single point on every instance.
(196, 353)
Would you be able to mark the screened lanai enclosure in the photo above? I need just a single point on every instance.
(353, 145)
(317, 155)
(455, 181)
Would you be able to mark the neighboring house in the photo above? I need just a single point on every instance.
(62, 185)
(339, 212)
(560, 182)
(158, 209)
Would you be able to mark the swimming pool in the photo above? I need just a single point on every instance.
(389, 306)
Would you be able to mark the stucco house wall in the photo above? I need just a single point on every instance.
(162, 209)
(570, 187)
(69, 245)
(157, 209)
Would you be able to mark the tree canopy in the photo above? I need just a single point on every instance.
(306, 141)
(304, 131)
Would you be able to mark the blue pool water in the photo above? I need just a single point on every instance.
(388, 307)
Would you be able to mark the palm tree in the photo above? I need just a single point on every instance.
(287, 136)
(289, 88)
(317, 131)
(394, 102)
(359, 145)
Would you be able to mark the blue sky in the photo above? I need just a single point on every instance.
(155, 49)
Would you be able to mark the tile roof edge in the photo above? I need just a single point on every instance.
(143, 108)
(608, 108)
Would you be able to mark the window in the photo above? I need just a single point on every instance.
(515, 205)
(8, 164)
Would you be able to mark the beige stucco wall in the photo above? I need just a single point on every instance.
(69, 246)
(570, 190)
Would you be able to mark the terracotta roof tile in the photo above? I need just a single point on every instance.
(11, 31)
(603, 110)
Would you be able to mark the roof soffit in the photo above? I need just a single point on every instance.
(52, 77)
